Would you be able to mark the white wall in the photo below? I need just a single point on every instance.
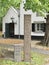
(7, 19)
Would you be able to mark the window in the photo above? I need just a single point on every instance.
(38, 27)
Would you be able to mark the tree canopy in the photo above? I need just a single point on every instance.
(5, 4)
(41, 6)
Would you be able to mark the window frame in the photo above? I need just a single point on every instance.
(39, 27)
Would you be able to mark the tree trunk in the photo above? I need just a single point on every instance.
(27, 38)
(46, 38)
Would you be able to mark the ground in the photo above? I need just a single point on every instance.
(10, 41)
(34, 43)
(37, 58)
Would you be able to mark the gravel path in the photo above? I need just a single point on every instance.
(40, 51)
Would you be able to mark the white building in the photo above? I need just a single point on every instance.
(13, 22)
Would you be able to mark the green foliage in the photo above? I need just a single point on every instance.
(5, 5)
(36, 59)
(41, 6)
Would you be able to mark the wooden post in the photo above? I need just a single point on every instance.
(27, 38)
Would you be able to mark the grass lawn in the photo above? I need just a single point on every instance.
(36, 59)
